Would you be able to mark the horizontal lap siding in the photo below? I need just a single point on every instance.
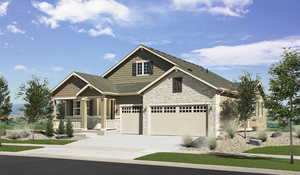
(70, 88)
(123, 74)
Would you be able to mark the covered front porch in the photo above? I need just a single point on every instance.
(87, 113)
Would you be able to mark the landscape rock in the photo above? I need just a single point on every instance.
(276, 134)
(254, 142)
(200, 142)
(61, 136)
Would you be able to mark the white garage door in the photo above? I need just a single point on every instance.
(131, 119)
(179, 120)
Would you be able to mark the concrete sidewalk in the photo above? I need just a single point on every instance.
(166, 164)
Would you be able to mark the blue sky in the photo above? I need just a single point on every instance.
(52, 38)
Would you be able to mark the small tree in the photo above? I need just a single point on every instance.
(61, 127)
(69, 128)
(37, 96)
(5, 104)
(246, 102)
(285, 90)
(49, 128)
(228, 111)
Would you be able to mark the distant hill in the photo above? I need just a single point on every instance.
(16, 110)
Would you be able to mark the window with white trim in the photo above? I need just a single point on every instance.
(131, 109)
(169, 109)
(185, 109)
(143, 68)
(76, 108)
(200, 108)
(156, 109)
(136, 109)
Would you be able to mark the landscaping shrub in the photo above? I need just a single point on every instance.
(69, 128)
(262, 135)
(61, 127)
(297, 131)
(18, 134)
(230, 129)
(187, 141)
(49, 128)
(212, 143)
(13, 135)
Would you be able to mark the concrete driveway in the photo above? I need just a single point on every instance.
(116, 146)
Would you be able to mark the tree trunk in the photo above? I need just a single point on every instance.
(245, 129)
(291, 143)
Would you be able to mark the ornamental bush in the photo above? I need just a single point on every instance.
(49, 128)
(61, 127)
(69, 128)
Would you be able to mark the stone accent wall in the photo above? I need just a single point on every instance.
(193, 92)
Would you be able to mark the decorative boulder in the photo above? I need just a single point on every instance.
(255, 142)
(200, 142)
(276, 134)
(2, 132)
(61, 136)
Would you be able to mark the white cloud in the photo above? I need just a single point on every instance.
(3, 8)
(14, 29)
(109, 56)
(259, 53)
(97, 31)
(57, 69)
(77, 11)
(235, 8)
(20, 67)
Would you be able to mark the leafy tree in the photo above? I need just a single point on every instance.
(69, 128)
(247, 91)
(37, 96)
(49, 128)
(61, 127)
(285, 90)
(5, 104)
(228, 112)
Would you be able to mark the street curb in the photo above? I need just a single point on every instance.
(158, 163)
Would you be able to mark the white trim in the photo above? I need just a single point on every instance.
(181, 104)
(62, 82)
(132, 52)
(64, 98)
(81, 90)
(143, 67)
(125, 105)
(169, 71)
(217, 114)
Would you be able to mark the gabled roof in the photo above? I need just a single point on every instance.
(196, 70)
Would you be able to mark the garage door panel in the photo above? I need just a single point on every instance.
(182, 121)
(131, 119)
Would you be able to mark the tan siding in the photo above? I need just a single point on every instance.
(129, 100)
(70, 88)
(123, 74)
(89, 92)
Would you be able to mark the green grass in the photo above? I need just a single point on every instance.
(276, 150)
(267, 163)
(45, 142)
(13, 148)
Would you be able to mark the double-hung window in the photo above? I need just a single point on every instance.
(76, 108)
(143, 68)
(177, 84)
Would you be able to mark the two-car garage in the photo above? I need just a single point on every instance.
(166, 120)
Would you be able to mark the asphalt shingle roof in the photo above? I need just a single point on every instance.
(198, 71)
(105, 85)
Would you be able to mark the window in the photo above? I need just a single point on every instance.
(139, 68)
(177, 85)
(126, 109)
(131, 109)
(76, 108)
(156, 109)
(143, 68)
(184, 109)
(169, 109)
(201, 108)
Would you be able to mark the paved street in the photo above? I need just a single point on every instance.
(11, 165)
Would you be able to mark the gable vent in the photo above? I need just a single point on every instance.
(190, 70)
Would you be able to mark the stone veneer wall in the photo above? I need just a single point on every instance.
(193, 92)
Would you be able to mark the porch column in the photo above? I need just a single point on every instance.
(54, 113)
(104, 114)
(98, 107)
(83, 113)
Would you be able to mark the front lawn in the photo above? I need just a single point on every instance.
(276, 150)
(43, 142)
(13, 148)
(268, 163)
